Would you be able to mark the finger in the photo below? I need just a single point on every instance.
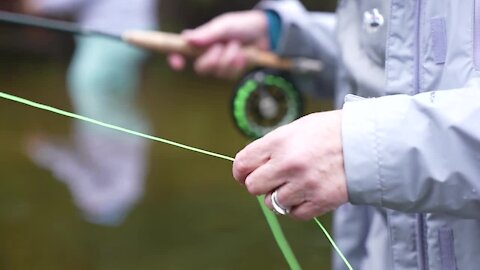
(291, 195)
(176, 61)
(251, 157)
(268, 200)
(264, 179)
(288, 195)
(307, 211)
(207, 62)
(212, 32)
(186, 32)
(232, 62)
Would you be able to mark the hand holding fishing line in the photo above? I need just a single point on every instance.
(302, 162)
(221, 52)
(272, 221)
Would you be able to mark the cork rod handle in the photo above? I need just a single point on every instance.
(173, 43)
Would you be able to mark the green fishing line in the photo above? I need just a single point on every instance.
(279, 236)
(106, 125)
(334, 245)
(271, 218)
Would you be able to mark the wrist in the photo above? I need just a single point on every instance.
(341, 177)
(260, 23)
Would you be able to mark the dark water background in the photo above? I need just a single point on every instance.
(193, 215)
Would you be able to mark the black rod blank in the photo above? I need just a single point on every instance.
(55, 25)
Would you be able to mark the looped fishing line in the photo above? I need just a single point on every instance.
(271, 218)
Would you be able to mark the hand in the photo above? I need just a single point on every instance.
(223, 38)
(303, 161)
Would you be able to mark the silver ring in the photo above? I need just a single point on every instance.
(277, 206)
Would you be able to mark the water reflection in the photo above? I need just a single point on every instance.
(104, 173)
(104, 170)
(192, 216)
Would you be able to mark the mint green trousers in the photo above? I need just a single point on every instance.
(104, 79)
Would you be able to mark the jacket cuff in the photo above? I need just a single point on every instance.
(274, 28)
(368, 147)
(288, 13)
(360, 152)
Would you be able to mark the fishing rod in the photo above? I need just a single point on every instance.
(164, 42)
(266, 97)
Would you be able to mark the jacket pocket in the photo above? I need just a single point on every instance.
(447, 249)
(476, 35)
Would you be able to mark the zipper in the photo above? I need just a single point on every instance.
(421, 239)
(421, 243)
(476, 34)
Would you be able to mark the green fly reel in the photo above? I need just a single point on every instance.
(264, 101)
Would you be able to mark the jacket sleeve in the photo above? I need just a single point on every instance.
(415, 153)
(307, 34)
(60, 7)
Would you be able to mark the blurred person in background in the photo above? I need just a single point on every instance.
(104, 170)
(408, 161)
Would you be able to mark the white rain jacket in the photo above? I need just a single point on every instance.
(412, 158)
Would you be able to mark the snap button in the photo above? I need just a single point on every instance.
(372, 20)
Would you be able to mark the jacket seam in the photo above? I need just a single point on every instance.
(378, 158)
(421, 46)
(388, 45)
(417, 48)
(474, 39)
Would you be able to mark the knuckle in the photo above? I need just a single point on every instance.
(202, 67)
(303, 216)
(252, 187)
(305, 212)
(239, 63)
(240, 168)
(310, 183)
(223, 65)
(294, 164)
(240, 162)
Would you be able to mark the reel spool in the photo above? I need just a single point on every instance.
(264, 101)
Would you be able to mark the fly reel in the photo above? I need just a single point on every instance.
(265, 100)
